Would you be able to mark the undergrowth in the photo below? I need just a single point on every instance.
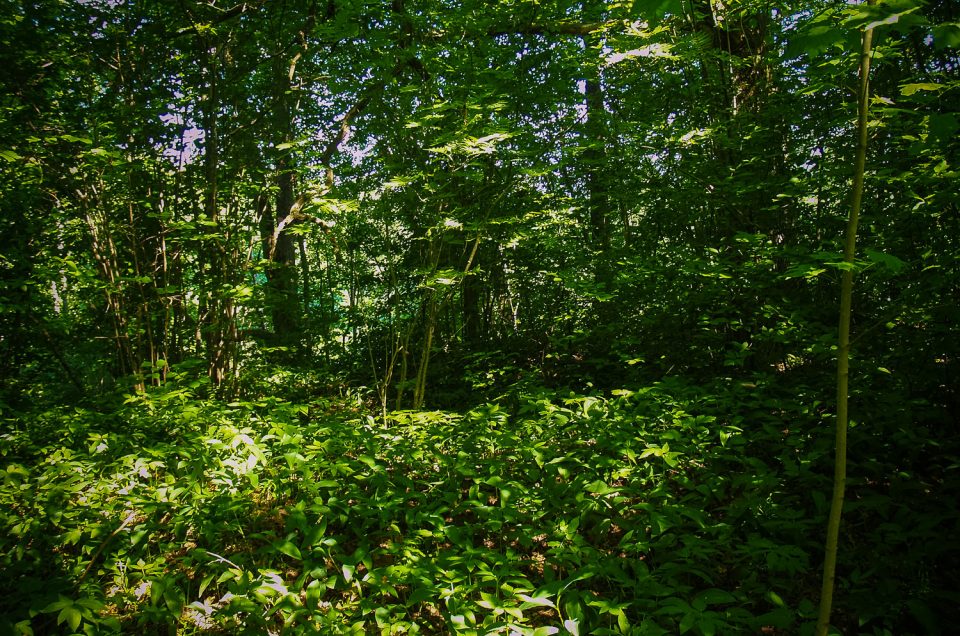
(657, 511)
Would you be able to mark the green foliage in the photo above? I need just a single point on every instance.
(655, 510)
(598, 242)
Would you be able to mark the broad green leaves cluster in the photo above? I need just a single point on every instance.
(652, 511)
(574, 515)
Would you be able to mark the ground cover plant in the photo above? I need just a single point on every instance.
(654, 511)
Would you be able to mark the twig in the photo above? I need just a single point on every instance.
(130, 517)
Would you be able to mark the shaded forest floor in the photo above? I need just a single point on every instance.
(673, 508)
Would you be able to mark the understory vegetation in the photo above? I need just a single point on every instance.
(672, 508)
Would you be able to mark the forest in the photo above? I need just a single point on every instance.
(520, 317)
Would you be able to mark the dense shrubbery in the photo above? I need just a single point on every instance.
(664, 509)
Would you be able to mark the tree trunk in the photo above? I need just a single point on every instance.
(282, 285)
(218, 322)
(843, 353)
(595, 157)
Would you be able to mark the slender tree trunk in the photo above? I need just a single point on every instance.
(105, 254)
(218, 319)
(404, 368)
(419, 392)
(284, 302)
(472, 294)
(279, 247)
(306, 285)
(429, 325)
(843, 354)
(595, 157)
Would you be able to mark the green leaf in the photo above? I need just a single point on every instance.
(707, 625)
(102, 152)
(205, 582)
(946, 35)
(600, 488)
(713, 596)
(71, 615)
(657, 9)
(843, 265)
(910, 89)
(888, 261)
(57, 605)
(815, 40)
(890, 19)
(287, 547)
(688, 621)
(90, 603)
(539, 601)
(871, 16)
(488, 601)
(348, 571)
(173, 598)
(10, 155)
(419, 595)
(315, 591)
(23, 628)
(75, 139)
(382, 616)
(775, 599)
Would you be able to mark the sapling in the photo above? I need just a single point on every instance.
(843, 352)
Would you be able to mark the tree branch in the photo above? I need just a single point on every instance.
(228, 14)
(553, 28)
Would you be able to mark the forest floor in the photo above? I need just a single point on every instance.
(669, 509)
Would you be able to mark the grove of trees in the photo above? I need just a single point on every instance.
(459, 316)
